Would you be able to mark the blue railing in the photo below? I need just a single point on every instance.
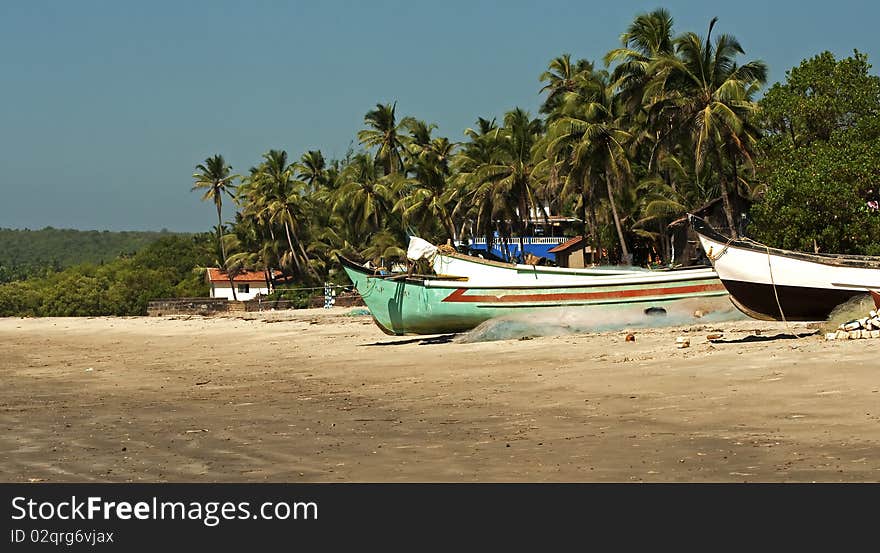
(535, 245)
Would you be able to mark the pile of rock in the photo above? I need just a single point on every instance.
(868, 327)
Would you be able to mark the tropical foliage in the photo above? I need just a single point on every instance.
(661, 125)
(820, 162)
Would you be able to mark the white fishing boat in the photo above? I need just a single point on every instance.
(774, 284)
(446, 261)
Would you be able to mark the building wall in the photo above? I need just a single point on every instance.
(576, 259)
(573, 259)
(223, 290)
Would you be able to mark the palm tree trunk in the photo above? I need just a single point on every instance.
(589, 227)
(220, 233)
(305, 255)
(447, 224)
(292, 250)
(587, 193)
(626, 260)
(725, 194)
(463, 229)
(299, 245)
(223, 249)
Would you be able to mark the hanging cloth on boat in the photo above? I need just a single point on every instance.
(420, 249)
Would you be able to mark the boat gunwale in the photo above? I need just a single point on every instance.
(701, 227)
(525, 268)
(531, 269)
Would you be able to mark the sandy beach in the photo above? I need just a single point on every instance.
(323, 396)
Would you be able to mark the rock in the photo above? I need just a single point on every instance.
(699, 314)
(831, 336)
(630, 337)
(681, 342)
(717, 336)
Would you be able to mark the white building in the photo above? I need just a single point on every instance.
(247, 284)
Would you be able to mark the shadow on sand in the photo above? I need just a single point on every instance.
(431, 340)
(763, 338)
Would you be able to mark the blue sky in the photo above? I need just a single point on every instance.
(106, 107)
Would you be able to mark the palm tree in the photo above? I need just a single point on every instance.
(421, 198)
(364, 196)
(273, 196)
(648, 37)
(562, 78)
(313, 169)
(384, 135)
(215, 178)
(591, 128)
(481, 149)
(501, 186)
(706, 94)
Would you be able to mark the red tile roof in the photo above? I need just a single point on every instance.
(570, 244)
(216, 275)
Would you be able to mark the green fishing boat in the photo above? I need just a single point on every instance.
(426, 304)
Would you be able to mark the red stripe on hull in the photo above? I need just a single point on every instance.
(459, 295)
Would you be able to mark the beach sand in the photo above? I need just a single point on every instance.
(321, 396)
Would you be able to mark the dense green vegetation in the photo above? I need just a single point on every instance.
(26, 253)
(665, 124)
(820, 162)
(167, 267)
(661, 124)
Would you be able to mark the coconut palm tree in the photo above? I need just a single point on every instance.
(364, 196)
(501, 186)
(275, 197)
(647, 38)
(313, 169)
(421, 198)
(591, 128)
(215, 177)
(384, 134)
(703, 92)
(561, 78)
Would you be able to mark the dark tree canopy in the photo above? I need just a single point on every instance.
(821, 96)
(820, 159)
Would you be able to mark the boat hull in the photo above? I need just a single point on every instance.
(404, 305)
(772, 284)
(798, 303)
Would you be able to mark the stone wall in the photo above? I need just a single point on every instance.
(188, 306)
(213, 306)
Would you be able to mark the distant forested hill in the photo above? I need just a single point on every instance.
(25, 253)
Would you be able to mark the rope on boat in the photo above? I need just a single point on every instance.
(721, 252)
(776, 294)
(724, 249)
